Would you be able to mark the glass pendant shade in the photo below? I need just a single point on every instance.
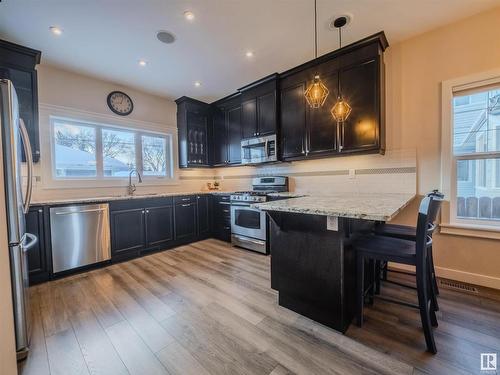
(341, 110)
(316, 93)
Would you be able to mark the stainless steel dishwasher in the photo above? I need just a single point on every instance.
(79, 236)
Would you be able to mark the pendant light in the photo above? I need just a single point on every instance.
(317, 92)
(341, 110)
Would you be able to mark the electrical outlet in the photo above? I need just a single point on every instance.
(352, 174)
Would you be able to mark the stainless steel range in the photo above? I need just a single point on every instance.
(249, 225)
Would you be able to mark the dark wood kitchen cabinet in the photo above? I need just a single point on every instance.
(221, 217)
(38, 256)
(140, 225)
(203, 203)
(17, 63)
(193, 124)
(227, 131)
(127, 232)
(259, 105)
(276, 104)
(185, 221)
(159, 225)
(358, 71)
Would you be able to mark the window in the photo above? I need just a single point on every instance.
(84, 150)
(476, 155)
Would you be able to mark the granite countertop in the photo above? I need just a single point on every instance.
(287, 194)
(124, 197)
(368, 206)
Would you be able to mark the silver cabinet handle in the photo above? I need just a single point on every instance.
(40, 211)
(29, 162)
(186, 205)
(147, 211)
(185, 199)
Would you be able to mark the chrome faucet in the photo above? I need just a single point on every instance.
(131, 186)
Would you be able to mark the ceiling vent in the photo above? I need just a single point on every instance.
(165, 37)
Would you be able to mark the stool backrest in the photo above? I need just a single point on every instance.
(429, 207)
(434, 209)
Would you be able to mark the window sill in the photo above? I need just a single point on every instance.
(471, 230)
(106, 183)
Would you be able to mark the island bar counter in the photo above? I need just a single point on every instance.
(313, 266)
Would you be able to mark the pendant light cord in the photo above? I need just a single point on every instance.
(315, 30)
(340, 37)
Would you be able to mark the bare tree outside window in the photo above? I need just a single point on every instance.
(154, 156)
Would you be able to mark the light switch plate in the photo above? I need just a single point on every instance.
(332, 223)
(352, 174)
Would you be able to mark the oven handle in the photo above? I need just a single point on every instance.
(240, 204)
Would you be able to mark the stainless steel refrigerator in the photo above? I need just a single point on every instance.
(14, 136)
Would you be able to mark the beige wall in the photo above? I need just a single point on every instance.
(61, 90)
(415, 70)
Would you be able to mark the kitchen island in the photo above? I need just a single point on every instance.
(313, 265)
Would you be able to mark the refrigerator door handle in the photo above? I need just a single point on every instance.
(32, 241)
(29, 162)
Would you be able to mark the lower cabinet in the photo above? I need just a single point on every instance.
(38, 256)
(203, 203)
(221, 218)
(159, 225)
(127, 232)
(185, 221)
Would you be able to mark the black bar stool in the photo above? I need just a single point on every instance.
(409, 233)
(376, 248)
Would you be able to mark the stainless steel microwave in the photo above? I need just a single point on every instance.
(259, 150)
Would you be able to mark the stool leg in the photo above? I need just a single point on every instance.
(432, 290)
(360, 286)
(377, 276)
(384, 271)
(425, 310)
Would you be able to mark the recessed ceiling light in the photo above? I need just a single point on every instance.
(55, 30)
(249, 54)
(189, 15)
(197, 83)
(143, 62)
(165, 37)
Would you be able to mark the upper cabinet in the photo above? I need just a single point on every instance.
(259, 103)
(355, 71)
(193, 124)
(276, 105)
(227, 131)
(17, 63)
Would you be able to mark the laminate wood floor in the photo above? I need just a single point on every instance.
(207, 308)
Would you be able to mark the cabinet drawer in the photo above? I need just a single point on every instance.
(185, 199)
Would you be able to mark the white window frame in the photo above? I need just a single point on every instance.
(451, 224)
(46, 167)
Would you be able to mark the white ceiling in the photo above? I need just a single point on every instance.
(106, 38)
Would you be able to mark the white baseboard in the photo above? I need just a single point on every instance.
(466, 277)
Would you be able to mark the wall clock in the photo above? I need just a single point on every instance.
(120, 103)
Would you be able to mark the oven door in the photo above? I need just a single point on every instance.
(247, 221)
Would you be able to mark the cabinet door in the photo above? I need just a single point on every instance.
(221, 220)
(293, 120)
(197, 138)
(321, 126)
(266, 110)
(249, 118)
(185, 221)
(233, 118)
(360, 87)
(25, 83)
(159, 225)
(37, 258)
(203, 202)
(219, 138)
(127, 232)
